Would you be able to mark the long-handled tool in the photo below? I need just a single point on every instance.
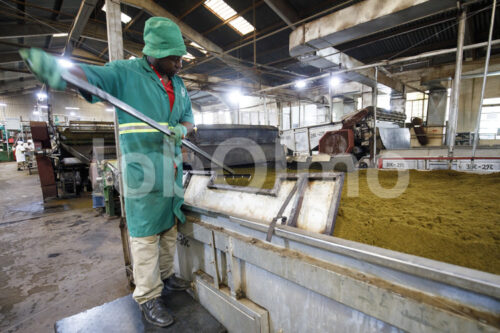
(93, 90)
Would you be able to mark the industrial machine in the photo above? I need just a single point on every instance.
(238, 145)
(356, 135)
(64, 154)
(346, 144)
(6, 154)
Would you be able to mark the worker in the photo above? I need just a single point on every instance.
(20, 158)
(151, 162)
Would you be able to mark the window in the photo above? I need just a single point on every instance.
(384, 101)
(489, 126)
(225, 12)
(416, 106)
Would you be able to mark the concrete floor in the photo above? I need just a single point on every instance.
(56, 259)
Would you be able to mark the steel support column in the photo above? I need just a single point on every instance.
(330, 102)
(115, 47)
(485, 75)
(374, 103)
(455, 92)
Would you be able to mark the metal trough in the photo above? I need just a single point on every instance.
(307, 281)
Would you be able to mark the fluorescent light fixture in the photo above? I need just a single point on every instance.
(65, 63)
(61, 34)
(235, 96)
(71, 108)
(300, 84)
(41, 95)
(241, 25)
(110, 109)
(72, 113)
(3, 104)
(198, 47)
(124, 17)
(43, 106)
(224, 12)
(188, 57)
(335, 81)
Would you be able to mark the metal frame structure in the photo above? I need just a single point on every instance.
(301, 181)
(303, 281)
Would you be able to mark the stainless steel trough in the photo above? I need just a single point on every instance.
(304, 280)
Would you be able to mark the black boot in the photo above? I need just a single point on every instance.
(156, 312)
(173, 283)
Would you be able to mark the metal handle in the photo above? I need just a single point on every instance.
(91, 89)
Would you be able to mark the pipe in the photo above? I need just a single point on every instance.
(330, 116)
(386, 63)
(485, 75)
(455, 92)
(374, 102)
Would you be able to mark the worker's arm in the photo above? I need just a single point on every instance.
(47, 69)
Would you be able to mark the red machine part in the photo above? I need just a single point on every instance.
(337, 142)
(41, 139)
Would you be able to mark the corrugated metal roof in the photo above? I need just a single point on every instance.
(432, 32)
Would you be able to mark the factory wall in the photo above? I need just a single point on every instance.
(470, 95)
(24, 106)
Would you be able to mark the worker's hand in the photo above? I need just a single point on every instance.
(45, 67)
(179, 131)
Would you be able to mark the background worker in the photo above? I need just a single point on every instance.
(151, 162)
(20, 158)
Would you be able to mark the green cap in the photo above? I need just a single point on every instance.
(162, 38)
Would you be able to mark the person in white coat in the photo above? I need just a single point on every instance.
(20, 158)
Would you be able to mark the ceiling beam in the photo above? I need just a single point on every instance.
(446, 72)
(190, 10)
(10, 57)
(8, 31)
(286, 12)
(91, 31)
(55, 16)
(191, 34)
(127, 27)
(19, 84)
(86, 8)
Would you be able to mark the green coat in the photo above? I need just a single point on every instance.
(153, 188)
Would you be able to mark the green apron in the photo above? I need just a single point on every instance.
(151, 163)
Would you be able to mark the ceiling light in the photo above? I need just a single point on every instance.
(335, 81)
(65, 63)
(3, 104)
(235, 96)
(132, 57)
(72, 113)
(124, 17)
(41, 95)
(61, 34)
(43, 106)
(110, 109)
(71, 108)
(36, 113)
(300, 84)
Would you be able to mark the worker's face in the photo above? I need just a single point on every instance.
(170, 65)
